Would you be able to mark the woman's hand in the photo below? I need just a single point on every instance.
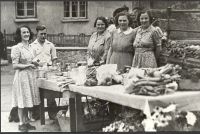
(35, 63)
(32, 66)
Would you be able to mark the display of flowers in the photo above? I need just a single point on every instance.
(165, 119)
(119, 126)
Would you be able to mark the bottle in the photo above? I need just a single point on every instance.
(58, 66)
(68, 70)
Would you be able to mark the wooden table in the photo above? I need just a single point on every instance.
(188, 100)
(47, 93)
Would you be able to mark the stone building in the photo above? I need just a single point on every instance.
(76, 17)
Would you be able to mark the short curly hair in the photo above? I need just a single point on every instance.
(121, 9)
(123, 14)
(148, 13)
(102, 19)
(18, 37)
(40, 27)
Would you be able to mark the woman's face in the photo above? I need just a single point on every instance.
(25, 34)
(100, 25)
(123, 22)
(144, 20)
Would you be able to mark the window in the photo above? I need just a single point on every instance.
(75, 9)
(25, 9)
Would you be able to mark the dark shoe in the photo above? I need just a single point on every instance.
(30, 127)
(23, 128)
(52, 115)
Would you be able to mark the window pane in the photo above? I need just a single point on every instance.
(74, 9)
(30, 5)
(20, 12)
(20, 5)
(30, 12)
(66, 9)
(25, 8)
(82, 9)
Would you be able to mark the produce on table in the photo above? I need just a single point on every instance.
(153, 81)
(107, 75)
(91, 79)
(184, 50)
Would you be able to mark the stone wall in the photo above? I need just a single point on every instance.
(71, 56)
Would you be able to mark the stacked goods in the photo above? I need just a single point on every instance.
(180, 49)
(152, 81)
(182, 53)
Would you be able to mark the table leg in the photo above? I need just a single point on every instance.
(42, 113)
(79, 113)
(72, 110)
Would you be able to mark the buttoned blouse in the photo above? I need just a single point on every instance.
(21, 54)
(98, 45)
(46, 52)
(148, 37)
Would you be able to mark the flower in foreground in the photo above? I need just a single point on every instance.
(148, 125)
(191, 118)
(170, 108)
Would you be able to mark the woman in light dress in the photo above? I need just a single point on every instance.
(25, 93)
(121, 50)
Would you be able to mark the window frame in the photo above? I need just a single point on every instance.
(78, 10)
(26, 9)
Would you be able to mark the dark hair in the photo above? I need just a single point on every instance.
(18, 37)
(148, 13)
(123, 14)
(40, 27)
(137, 8)
(125, 8)
(121, 9)
(110, 20)
(103, 19)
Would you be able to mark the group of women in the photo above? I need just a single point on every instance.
(125, 46)
(139, 47)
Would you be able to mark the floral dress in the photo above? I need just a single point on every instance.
(25, 92)
(145, 44)
(98, 46)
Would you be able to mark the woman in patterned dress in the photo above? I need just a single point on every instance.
(121, 50)
(99, 41)
(25, 93)
(147, 43)
(97, 49)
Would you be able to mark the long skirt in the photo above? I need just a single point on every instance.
(25, 92)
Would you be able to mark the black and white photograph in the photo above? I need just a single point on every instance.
(100, 66)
